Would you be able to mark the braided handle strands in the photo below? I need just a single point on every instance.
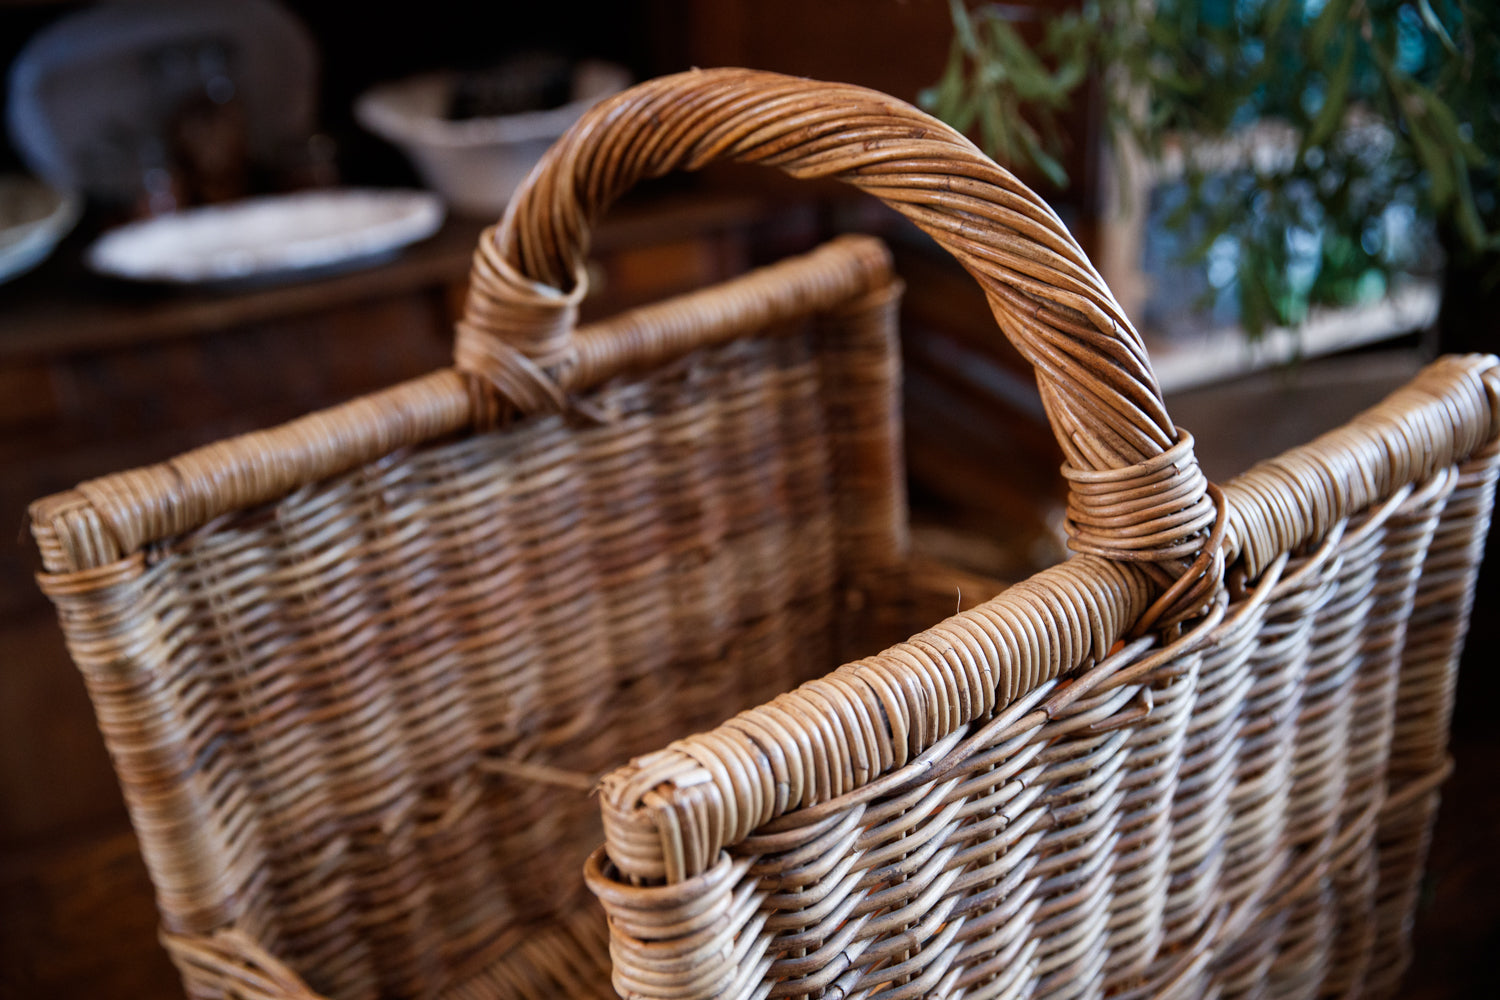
(1136, 493)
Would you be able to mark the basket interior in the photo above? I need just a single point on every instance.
(378, 705)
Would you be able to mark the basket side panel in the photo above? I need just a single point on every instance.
(1242, 821)
(1303, 922)
(361, 724)
(1419, 749)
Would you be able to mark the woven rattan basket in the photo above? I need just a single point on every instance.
(359, 673)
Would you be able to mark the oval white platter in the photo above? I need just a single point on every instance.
(271, 237)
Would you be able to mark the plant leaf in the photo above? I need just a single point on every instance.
(1333, 15)
(1335, 102)
(1430, 18)
(1045, 163)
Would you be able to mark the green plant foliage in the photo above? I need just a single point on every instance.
(1392, 104)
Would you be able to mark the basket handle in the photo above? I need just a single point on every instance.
(1135, 491)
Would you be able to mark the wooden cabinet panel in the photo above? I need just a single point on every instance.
(28, 397)
(54, 773)
(77, 919)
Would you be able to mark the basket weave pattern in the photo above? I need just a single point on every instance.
(359, 672)
(359, 724)
(1239, 816)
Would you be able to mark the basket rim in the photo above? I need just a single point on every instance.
(669, 815)
(105, 520)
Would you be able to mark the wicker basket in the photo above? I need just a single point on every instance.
(359, 673)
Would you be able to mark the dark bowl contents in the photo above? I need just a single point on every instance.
(533, 82)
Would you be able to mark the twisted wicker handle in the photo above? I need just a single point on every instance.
(1135, 490)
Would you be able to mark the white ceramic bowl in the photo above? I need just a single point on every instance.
(277, 236)
(476, 163)
(33, 218)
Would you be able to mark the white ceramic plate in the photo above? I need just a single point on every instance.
(279, 236)
(33, 218)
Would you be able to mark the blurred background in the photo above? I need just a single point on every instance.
(218, 216)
